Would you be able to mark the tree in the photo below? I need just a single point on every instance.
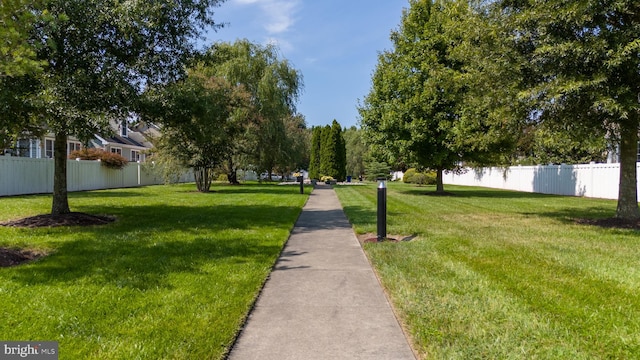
(95, 69)
(340, 151)
(17, 53)
(316, 150)
(297, 143)
(18, 66)
(274, 86)
(583, 58)
(333, 152)
(411, 108)
(201, 117)
(356, 151)
(422, 109)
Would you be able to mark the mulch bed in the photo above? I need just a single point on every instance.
(70, 219)
(13, 257)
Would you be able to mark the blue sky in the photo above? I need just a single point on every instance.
(333, 43)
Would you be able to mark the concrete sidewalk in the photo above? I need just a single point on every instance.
(322, 300)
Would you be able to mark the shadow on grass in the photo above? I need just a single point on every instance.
(187, 218)
(265, 189)
(475, 193)
(268, 188)
(149, 242)
(360, 216)
(595, 215)
(109, 193)
(140, 265)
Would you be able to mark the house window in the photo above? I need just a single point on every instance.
(116, 150)
(123, 129)
(73, 146)
(34, 149)
(48, 148)
(22, 148)
(135, 155)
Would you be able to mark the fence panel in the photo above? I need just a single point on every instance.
(20, 176)
(589, 180)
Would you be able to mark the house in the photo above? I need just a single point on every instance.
(132, 143)
(40, 148)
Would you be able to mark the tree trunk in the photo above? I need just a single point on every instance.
(203, 179)
(628, 190)
(60, 204)
(232, 174)
(439, 183)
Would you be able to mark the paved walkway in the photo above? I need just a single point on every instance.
(322, 300)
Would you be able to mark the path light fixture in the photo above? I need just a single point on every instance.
(300, 179)
(382, 209)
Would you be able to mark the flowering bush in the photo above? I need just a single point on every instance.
(108, 159)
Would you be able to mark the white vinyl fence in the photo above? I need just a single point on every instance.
(589, 180)
(20, 176)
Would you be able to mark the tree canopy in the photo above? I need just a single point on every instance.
(96, 57)
(584, 66)
(202, 118)
(274, 86)
(505, 81)
(421, 109)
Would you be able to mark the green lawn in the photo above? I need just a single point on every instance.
(505, 275)
(174, 277)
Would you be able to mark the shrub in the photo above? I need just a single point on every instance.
(327, 178)
(409, 175)
(223, 178)
(86, 154)
(107, 159)
(431, 177)
(412, 176)
(419, 178)
(375, 170)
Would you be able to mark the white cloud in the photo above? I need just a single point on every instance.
(279, 15)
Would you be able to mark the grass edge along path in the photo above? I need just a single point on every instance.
(501, 274)
(174, 277)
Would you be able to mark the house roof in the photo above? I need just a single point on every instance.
(117, 139)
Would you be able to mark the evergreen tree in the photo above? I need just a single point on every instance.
(325, 152)
(333, 153)
(339, 152)
(316, 151)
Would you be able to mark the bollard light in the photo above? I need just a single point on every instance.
(301, 180)
(382, 209)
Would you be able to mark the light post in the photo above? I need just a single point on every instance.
(382, 209)
(301, 181)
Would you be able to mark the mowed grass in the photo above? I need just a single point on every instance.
(173, 278)
(505, 275)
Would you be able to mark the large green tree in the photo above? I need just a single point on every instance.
(411, 109)
(202, 117)
(357, 152)
(428, 105)
(275, 87)
(98, 55)
(583, 58)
